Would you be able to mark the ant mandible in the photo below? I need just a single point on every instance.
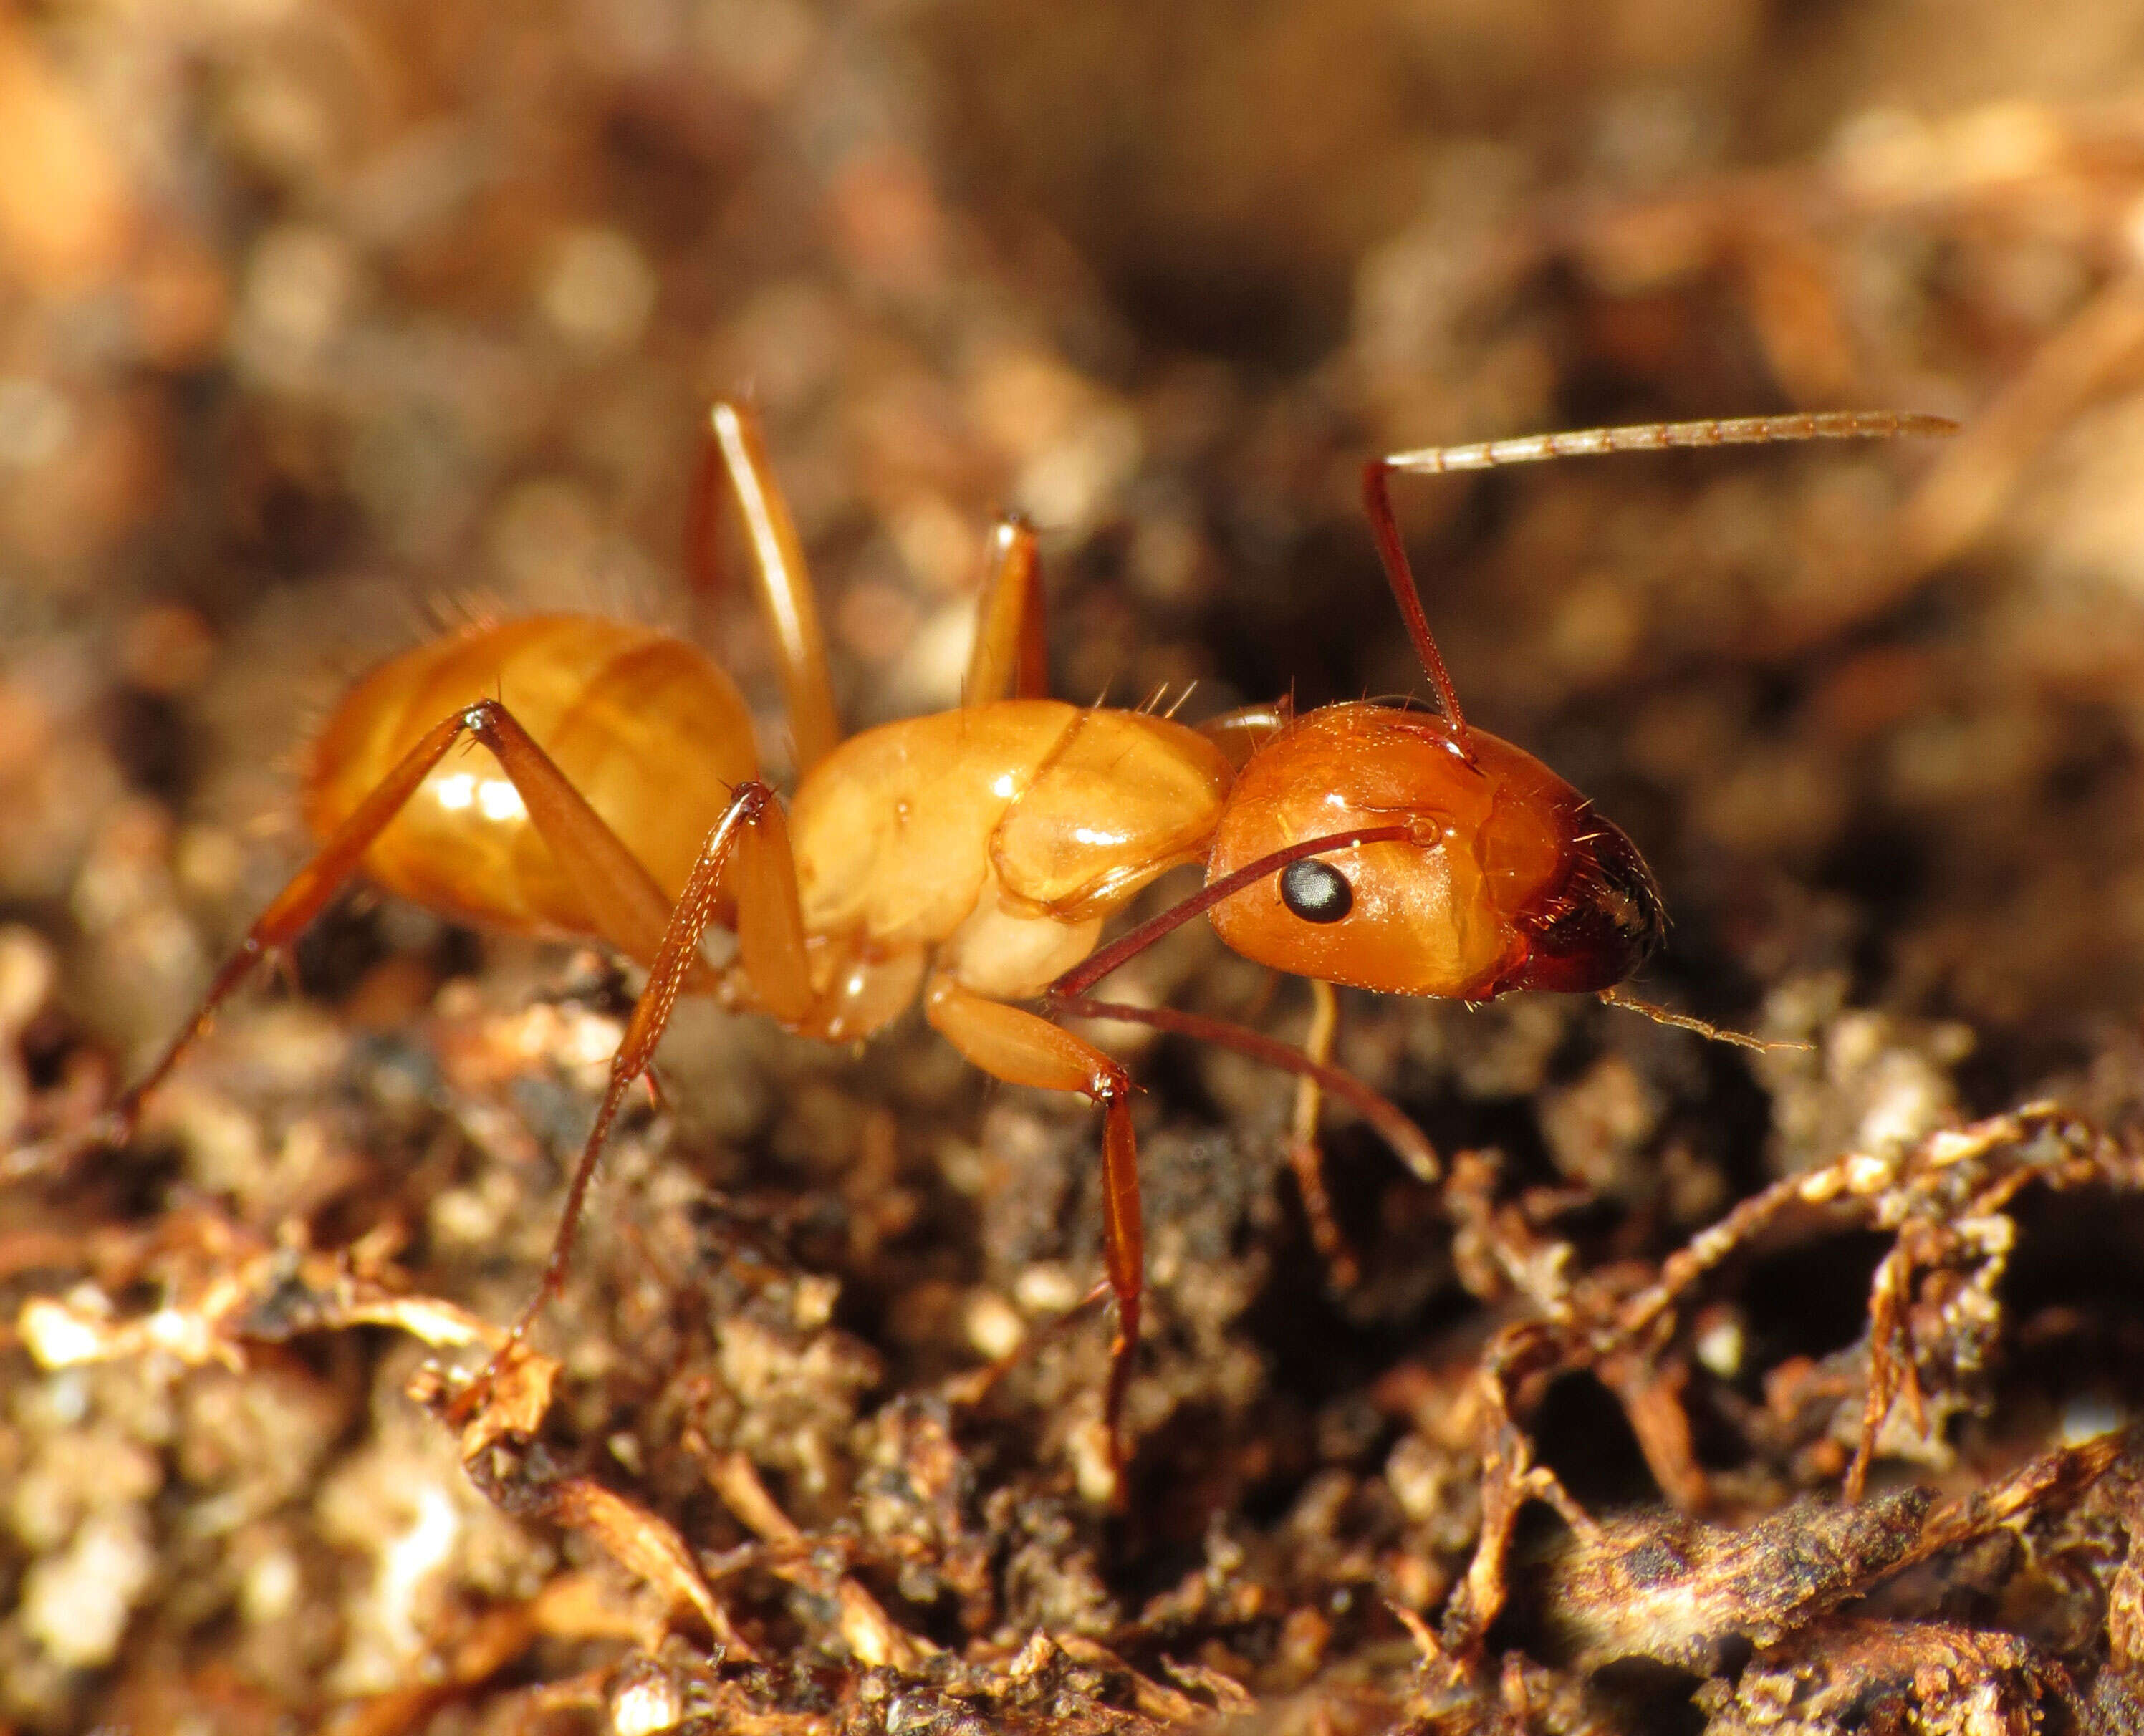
(974, 855)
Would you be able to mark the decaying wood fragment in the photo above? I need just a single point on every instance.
(1676, 1591)
(1849, 1676)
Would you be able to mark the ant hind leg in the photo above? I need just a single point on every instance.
(624, 903)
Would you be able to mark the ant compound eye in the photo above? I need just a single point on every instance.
(1316, 891)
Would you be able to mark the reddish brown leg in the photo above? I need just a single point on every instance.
(624, 903)
(1011, 660)
(1068, 994)
(1409, 1143)
(753, 836)
(1305, 1156)
(1024, 1048)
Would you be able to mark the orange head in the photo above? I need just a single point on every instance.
(1508, 879)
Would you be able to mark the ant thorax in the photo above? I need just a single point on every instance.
(1004, 833)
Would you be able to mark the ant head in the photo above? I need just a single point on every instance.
(1507, 878)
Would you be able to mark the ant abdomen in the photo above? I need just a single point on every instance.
(645, 726)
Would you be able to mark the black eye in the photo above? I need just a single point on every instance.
(1316, 891)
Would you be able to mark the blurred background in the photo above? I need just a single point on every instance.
(318, 317)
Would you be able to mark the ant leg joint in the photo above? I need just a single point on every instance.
(1110, 1085)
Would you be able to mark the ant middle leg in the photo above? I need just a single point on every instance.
(1409, 1143)
(1312, 1067)
(747, 854)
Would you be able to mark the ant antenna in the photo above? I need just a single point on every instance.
(1392, 551)
(1587, 443)
(1662, 436)
(1614, 997)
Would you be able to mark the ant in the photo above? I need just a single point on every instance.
(974, 856)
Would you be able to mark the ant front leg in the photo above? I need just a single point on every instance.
(621, 898)
(1024, 1048)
